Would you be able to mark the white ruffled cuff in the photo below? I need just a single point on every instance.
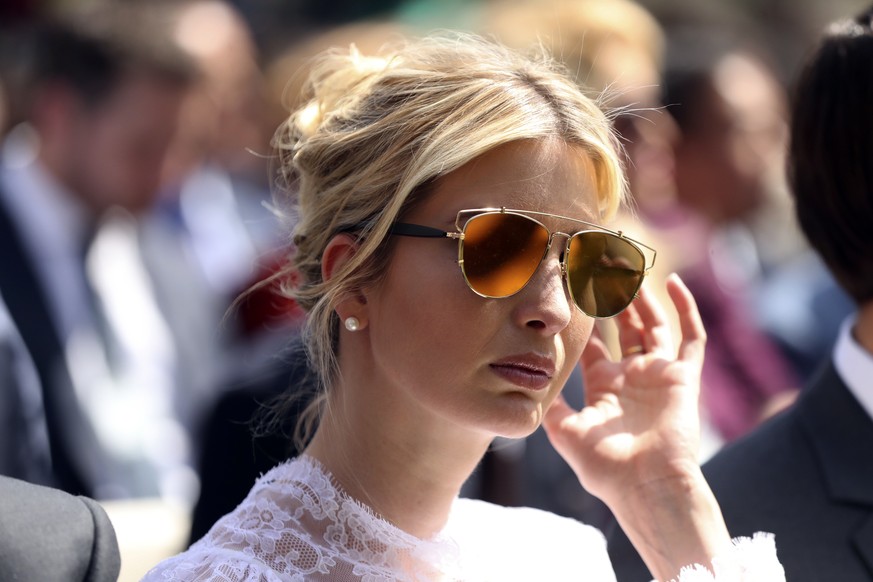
(749, 560)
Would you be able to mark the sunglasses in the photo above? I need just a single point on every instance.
(500, 249)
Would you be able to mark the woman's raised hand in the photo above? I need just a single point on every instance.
(635, 443)
(641, 419)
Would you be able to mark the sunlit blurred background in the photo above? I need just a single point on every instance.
(701, 89)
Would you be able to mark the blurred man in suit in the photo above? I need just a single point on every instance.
(807, 475)
(93, 104)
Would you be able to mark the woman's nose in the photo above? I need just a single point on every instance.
(544, 304)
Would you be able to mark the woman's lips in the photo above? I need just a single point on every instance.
(531, 372)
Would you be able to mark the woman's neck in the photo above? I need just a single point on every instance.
(407, 468)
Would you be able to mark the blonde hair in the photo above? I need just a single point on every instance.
(374, 132)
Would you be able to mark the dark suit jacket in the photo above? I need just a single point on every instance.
(49, 535)
(806, 476)
(24, 450)
(28, 306)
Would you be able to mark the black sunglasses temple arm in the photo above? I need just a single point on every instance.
(417, 230)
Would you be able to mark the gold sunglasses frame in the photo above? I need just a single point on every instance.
(416, 230)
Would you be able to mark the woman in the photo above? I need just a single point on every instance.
(450, 257)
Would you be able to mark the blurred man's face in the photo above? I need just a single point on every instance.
(118, 148)
(725, 166)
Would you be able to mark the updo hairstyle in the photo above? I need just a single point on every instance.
(374, 133)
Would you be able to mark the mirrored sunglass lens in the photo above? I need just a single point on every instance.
(603, 272)
(501, 252)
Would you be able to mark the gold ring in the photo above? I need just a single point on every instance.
(633, 350)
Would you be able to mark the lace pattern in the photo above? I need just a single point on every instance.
(297, 524)
(750, 560)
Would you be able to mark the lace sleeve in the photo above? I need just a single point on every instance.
(195, 566)
(749, 560)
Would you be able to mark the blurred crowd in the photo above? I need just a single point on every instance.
(140, 328)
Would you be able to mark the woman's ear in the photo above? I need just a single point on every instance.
(352, 308)
(337, 253)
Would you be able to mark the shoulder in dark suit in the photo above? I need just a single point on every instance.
(806, 476)
(49, 535)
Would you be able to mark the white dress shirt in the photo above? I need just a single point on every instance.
(854, 364)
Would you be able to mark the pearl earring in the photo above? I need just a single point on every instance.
(352, 324)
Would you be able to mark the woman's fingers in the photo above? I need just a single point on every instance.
(557, 412)
(656, 330)
(693, 333)
(643, 327)
(598, 369)
(630, 332)
(565, 426)
(595, 351)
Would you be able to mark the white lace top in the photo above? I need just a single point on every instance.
(297, 524)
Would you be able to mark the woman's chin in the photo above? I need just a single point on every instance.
(519, 421)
